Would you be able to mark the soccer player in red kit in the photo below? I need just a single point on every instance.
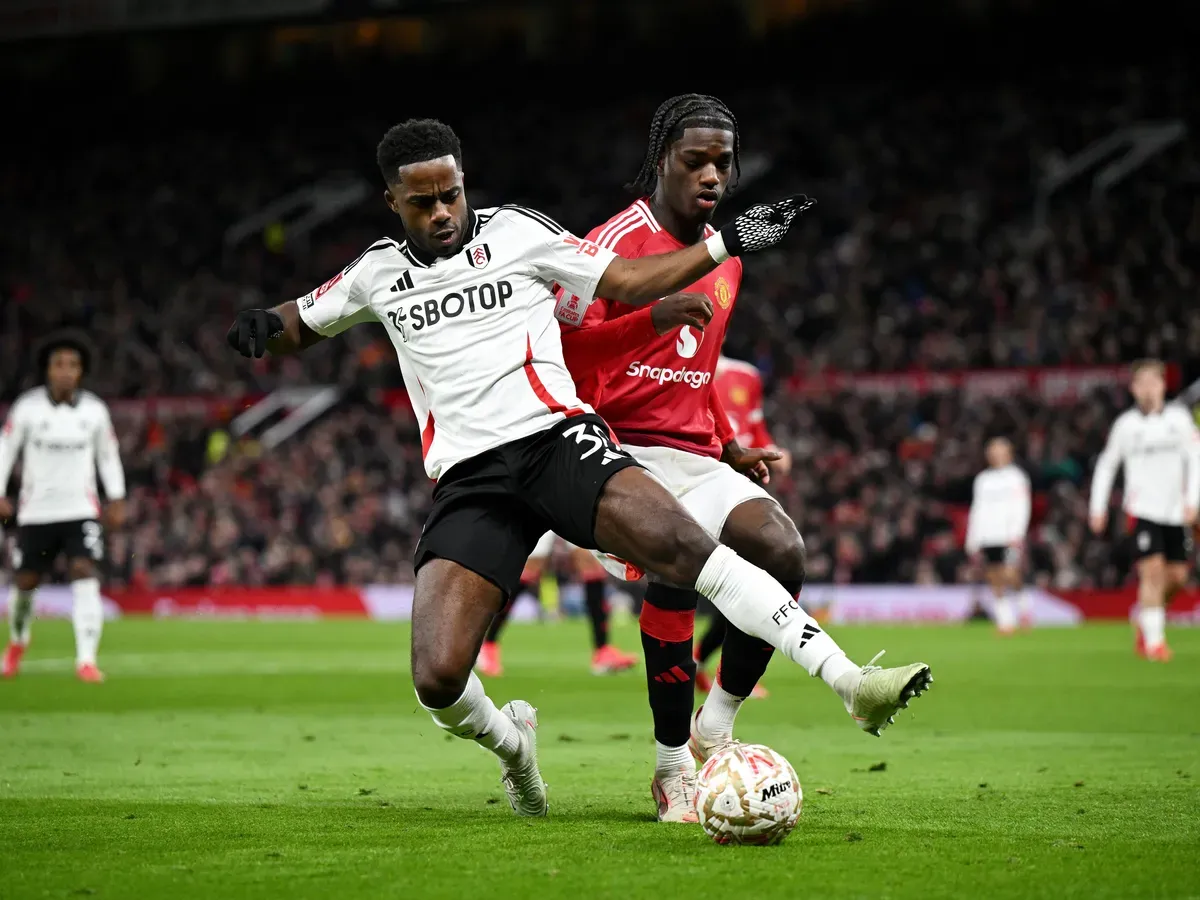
(662, 408)
(738, 386)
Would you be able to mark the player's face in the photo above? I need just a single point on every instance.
(695, 171)
(65, 371)
(999, 453)
(1149, 388)
(429, 198)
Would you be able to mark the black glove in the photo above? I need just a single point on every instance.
(251, 329)
(764, 225)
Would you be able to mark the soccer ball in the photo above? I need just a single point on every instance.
(748, 794)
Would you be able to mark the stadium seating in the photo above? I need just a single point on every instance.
(921, 255)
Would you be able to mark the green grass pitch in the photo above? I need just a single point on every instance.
(290, 760)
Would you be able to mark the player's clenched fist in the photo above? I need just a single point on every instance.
(681, 309)
(252, 329)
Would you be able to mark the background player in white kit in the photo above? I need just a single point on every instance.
(62, 435)
(996, 529)
(1160, 449)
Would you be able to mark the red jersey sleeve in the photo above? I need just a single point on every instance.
(607, 344)
(724, 429)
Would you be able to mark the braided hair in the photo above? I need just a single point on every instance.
(670, 120)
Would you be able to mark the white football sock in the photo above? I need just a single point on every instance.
(475, 717)
(20, 615)
(841, 674)
(88, 618)
(759, 605)
(669, 760)
(1153, 620)
(716, 717)
(1006, 615)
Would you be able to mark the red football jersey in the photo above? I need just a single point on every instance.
(739, 388)
(662, 395)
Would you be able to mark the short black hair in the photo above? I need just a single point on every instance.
(66, 339)
(670, 121)
(414, 141)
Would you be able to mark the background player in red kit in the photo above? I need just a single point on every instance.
(738, 386)
(661, 405)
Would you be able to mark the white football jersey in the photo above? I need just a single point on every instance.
(1161, 454)
(1000, 506)
(60, 445)
(475, 333)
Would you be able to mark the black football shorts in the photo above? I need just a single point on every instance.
(489, 511)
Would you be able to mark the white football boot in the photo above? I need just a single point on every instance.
(522, 779)
(675, 795)
(879, 693)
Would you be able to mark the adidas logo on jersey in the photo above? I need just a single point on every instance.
(403, 283)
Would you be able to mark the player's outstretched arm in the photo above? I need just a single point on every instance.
(639, 281)
(279, 330)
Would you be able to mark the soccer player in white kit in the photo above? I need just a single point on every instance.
(468, 303)
(1159, 446)
(62, 435)
(996, 529)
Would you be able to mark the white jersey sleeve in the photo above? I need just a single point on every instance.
(342, 301)
(558, 256)
(12, 438)
(1109, 461)
(108, 457)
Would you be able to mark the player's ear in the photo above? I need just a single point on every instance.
(390, 199)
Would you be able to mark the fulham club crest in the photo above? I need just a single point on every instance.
(479, 255)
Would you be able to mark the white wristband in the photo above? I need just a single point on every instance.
(716, 248)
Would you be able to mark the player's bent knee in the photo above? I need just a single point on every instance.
(682, 552)
(78, 569)
(780, 551)
(439, 681)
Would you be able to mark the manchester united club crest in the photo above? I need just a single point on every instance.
(479, 255)
(723, 293)
(740, 396)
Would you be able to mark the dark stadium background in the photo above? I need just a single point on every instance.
(931, 301)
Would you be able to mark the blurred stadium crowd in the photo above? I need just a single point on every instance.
(920, 255)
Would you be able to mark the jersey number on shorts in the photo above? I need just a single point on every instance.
(93, 540)
(596, 440)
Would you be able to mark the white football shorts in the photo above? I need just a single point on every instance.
(708, 489)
